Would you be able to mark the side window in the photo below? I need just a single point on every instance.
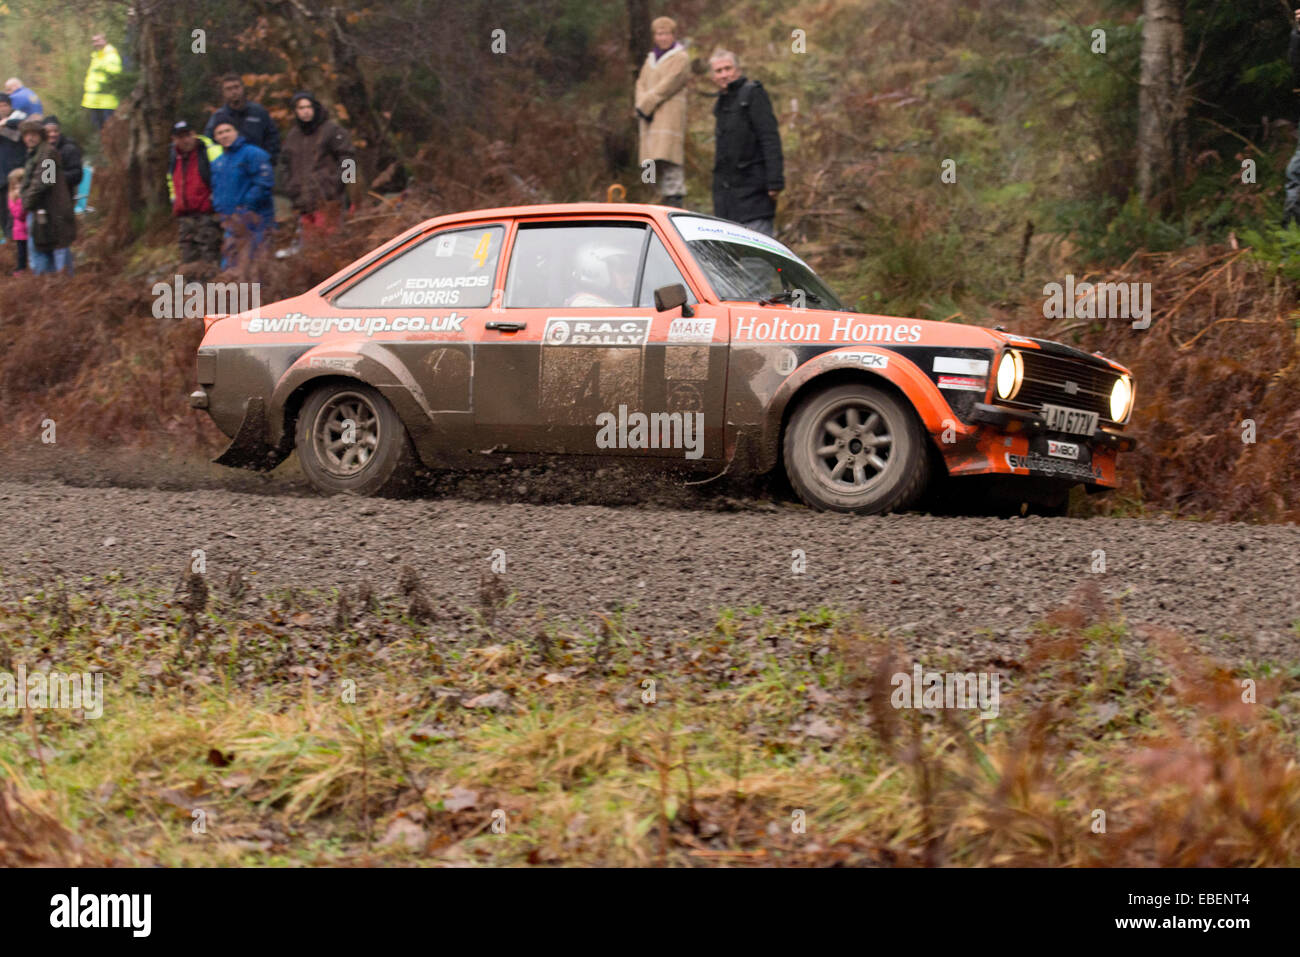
(660, 270)
(574, 266)
(448, 269)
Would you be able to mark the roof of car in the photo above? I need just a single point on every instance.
(564, 209)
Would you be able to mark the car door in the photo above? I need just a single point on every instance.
(579, 347)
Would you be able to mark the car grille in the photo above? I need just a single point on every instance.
(1046, 378)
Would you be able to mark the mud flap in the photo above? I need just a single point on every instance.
(249, 449)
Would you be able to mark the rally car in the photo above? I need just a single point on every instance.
(646, 333)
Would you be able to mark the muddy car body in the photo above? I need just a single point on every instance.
(617, 331)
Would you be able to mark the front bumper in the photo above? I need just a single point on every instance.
(1032, 423)
(1014, 442)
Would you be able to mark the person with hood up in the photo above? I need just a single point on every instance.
(242, 181)
(319, 162)
(51, 223)
(13, 154)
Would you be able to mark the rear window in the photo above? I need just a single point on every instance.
(450, 268)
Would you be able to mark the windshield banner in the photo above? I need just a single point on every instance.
(696, 227)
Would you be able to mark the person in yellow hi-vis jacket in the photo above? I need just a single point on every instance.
(104, 63)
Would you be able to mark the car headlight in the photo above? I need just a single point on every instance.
(1121, 399)
(1011, 372)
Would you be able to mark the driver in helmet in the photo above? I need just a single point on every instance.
(605, 275)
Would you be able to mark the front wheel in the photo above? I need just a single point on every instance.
(351, 441)
(855, 448)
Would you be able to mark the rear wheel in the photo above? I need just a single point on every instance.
(855, 448)
(351, 441)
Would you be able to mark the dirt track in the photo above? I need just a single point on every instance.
(671, 566)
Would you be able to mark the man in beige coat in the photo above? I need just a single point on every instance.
(661, 112)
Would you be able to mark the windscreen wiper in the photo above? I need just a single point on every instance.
(787, 296)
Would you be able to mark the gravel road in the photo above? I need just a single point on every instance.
(954, 580)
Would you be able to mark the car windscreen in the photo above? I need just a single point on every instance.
(743, 265)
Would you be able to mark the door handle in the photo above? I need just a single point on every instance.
(505, 326)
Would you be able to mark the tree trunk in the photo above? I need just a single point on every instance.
(638, 32)
(152, 105)
(1162, 105)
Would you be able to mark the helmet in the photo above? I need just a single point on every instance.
(593, 262)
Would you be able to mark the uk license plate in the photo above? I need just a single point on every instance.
(1075, 421)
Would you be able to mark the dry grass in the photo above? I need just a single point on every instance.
(451, 749)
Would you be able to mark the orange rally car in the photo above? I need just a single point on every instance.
(617, 331)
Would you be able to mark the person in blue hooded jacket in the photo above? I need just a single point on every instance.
(242, 180)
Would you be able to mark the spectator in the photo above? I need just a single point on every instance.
(747, 166)
(1291, 208)
(315, 150)
(14, 207)
(22, 98)
(12, 153)
(51, 224)
(189, 186)
(661, 110)
(250, 120)
(104, 63)
(241, 190)
(69, 154)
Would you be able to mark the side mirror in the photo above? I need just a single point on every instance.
(670, 297)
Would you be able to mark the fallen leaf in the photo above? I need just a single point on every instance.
(459, 799)
(404, 831)
(494, 700)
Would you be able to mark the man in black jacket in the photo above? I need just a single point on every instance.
(69, 153)
(747, 165)
(250, 119)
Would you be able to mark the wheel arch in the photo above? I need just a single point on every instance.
(368, 365)
(900, 378)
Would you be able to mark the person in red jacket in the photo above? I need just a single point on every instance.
(189, 186)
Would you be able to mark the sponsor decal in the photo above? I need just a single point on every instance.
(606, 331)
(431, 290)
(836, 329)
(316, 326)
(869, 359)
(691, 330)
(1063, 450)
(785, 361)
(963, 383)
(694, 228)
(958, 366)
(1050, 466)
(446, 245)
(654, 430)
(338, 363)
